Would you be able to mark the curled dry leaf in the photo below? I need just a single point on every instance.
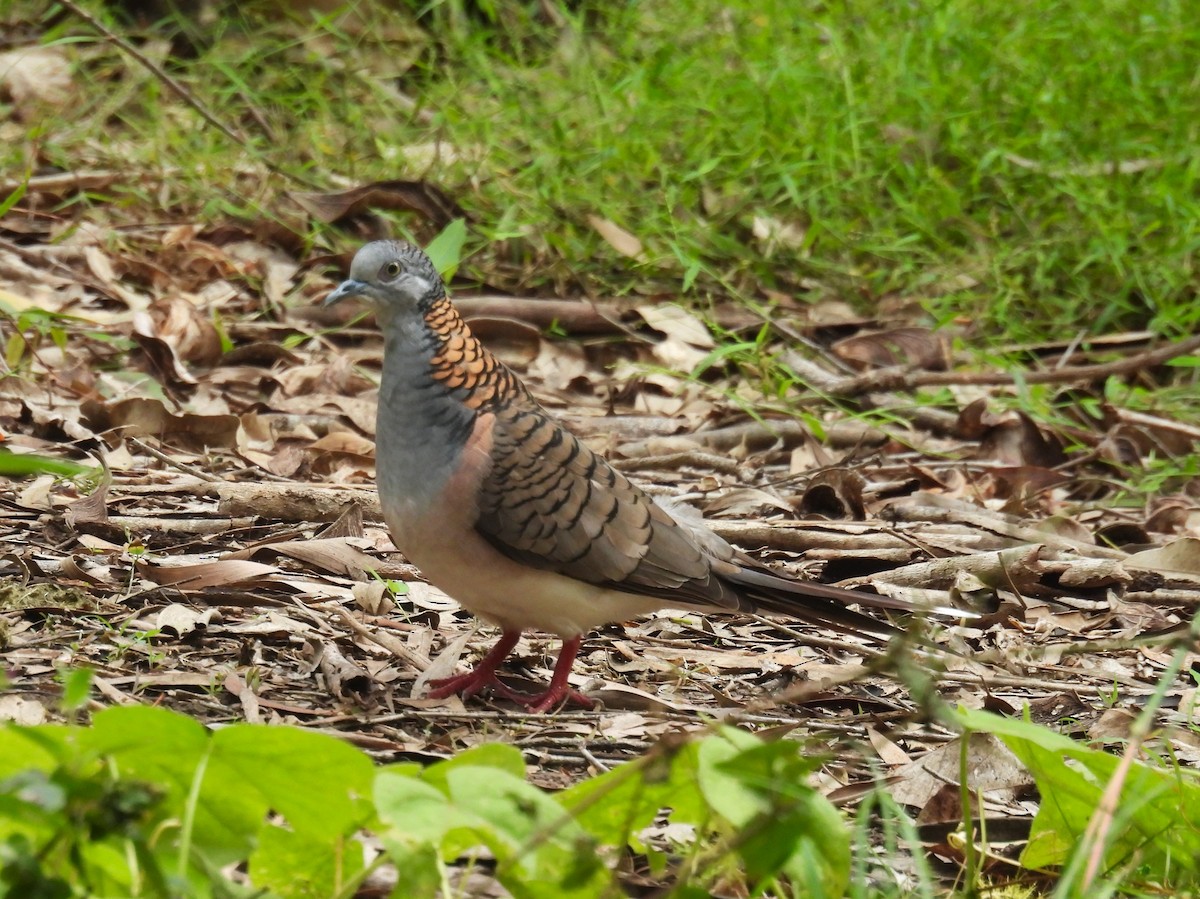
(772, 233)
(35, 77)
(675, 321)
(426, 596)
(100, 265)
(144, 417)
(421, 197)
(338, 377)
(617, 238)
(342, 677)
(1018, 441)
(918, 347)
(358, 410)
(991, 767)
(180, 620)
(90, 508)
(179, 323)
(199, 575)
(168, 368)
(835, 493)
(739, 503)
(346, 442)
(1011, 438)
(1179, 557)
(372, 597)
(333, 555)
(678, 355)
(22, 711)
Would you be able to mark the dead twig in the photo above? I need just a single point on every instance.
(179, 90)
(903, 377)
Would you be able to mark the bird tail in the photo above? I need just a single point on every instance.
(813, 602)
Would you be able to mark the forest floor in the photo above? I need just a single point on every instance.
(219, 550)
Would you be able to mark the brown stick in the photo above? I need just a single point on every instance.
(902, 377)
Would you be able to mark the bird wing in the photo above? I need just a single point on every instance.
(551, 503)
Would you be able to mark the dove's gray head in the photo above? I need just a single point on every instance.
(395, 277)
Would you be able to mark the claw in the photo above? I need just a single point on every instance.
(483, 676)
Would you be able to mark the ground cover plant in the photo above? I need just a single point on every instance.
(900, 296)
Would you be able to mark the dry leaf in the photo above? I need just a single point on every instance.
(675, 321)
(918, 347)
(773, 233)
(35, 77)
(1177, 557)
(197, 576)
(180, 620)
(617, 238)
(421, 197)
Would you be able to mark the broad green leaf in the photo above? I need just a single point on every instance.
(172, 750)
(780, 823)
(540, 850)
(418, 870)
(445, 250)
(319, 783)
(297, 866)
(1157, 820)
(416, 811)
(21, 465)
(499, 756)
(77, 684)
(613, 807)
(41, 747)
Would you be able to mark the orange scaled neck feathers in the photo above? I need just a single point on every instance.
(464, 364)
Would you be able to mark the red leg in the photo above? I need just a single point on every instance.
(558, 689)
(482, 675)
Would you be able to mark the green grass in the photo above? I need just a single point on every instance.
(884, 130)
(885, 133)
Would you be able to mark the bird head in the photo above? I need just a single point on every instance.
(393, 276)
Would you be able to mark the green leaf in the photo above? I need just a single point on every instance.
(171, 750)
(41, 747)
(296, 865)
(23, 465)
(540, 850)
(319, 783)
(418, 870)
(500, 756)
(77, 684)
(445, 250)
(15, 197)
(417, 811)
(616, 805)
(1157, 820)
(457, 807)
(781, 824)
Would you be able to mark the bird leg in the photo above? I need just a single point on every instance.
(484, 675)
(558, 689)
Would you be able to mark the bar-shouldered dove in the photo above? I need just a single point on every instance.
(511, 515)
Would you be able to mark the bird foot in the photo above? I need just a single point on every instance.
(484, 676)
(473, 682)
(467, 685)
(544, 702)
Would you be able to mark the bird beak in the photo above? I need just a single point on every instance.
(348, 288)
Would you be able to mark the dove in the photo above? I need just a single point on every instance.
(510, 514)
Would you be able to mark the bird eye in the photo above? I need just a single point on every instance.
(391, 269)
